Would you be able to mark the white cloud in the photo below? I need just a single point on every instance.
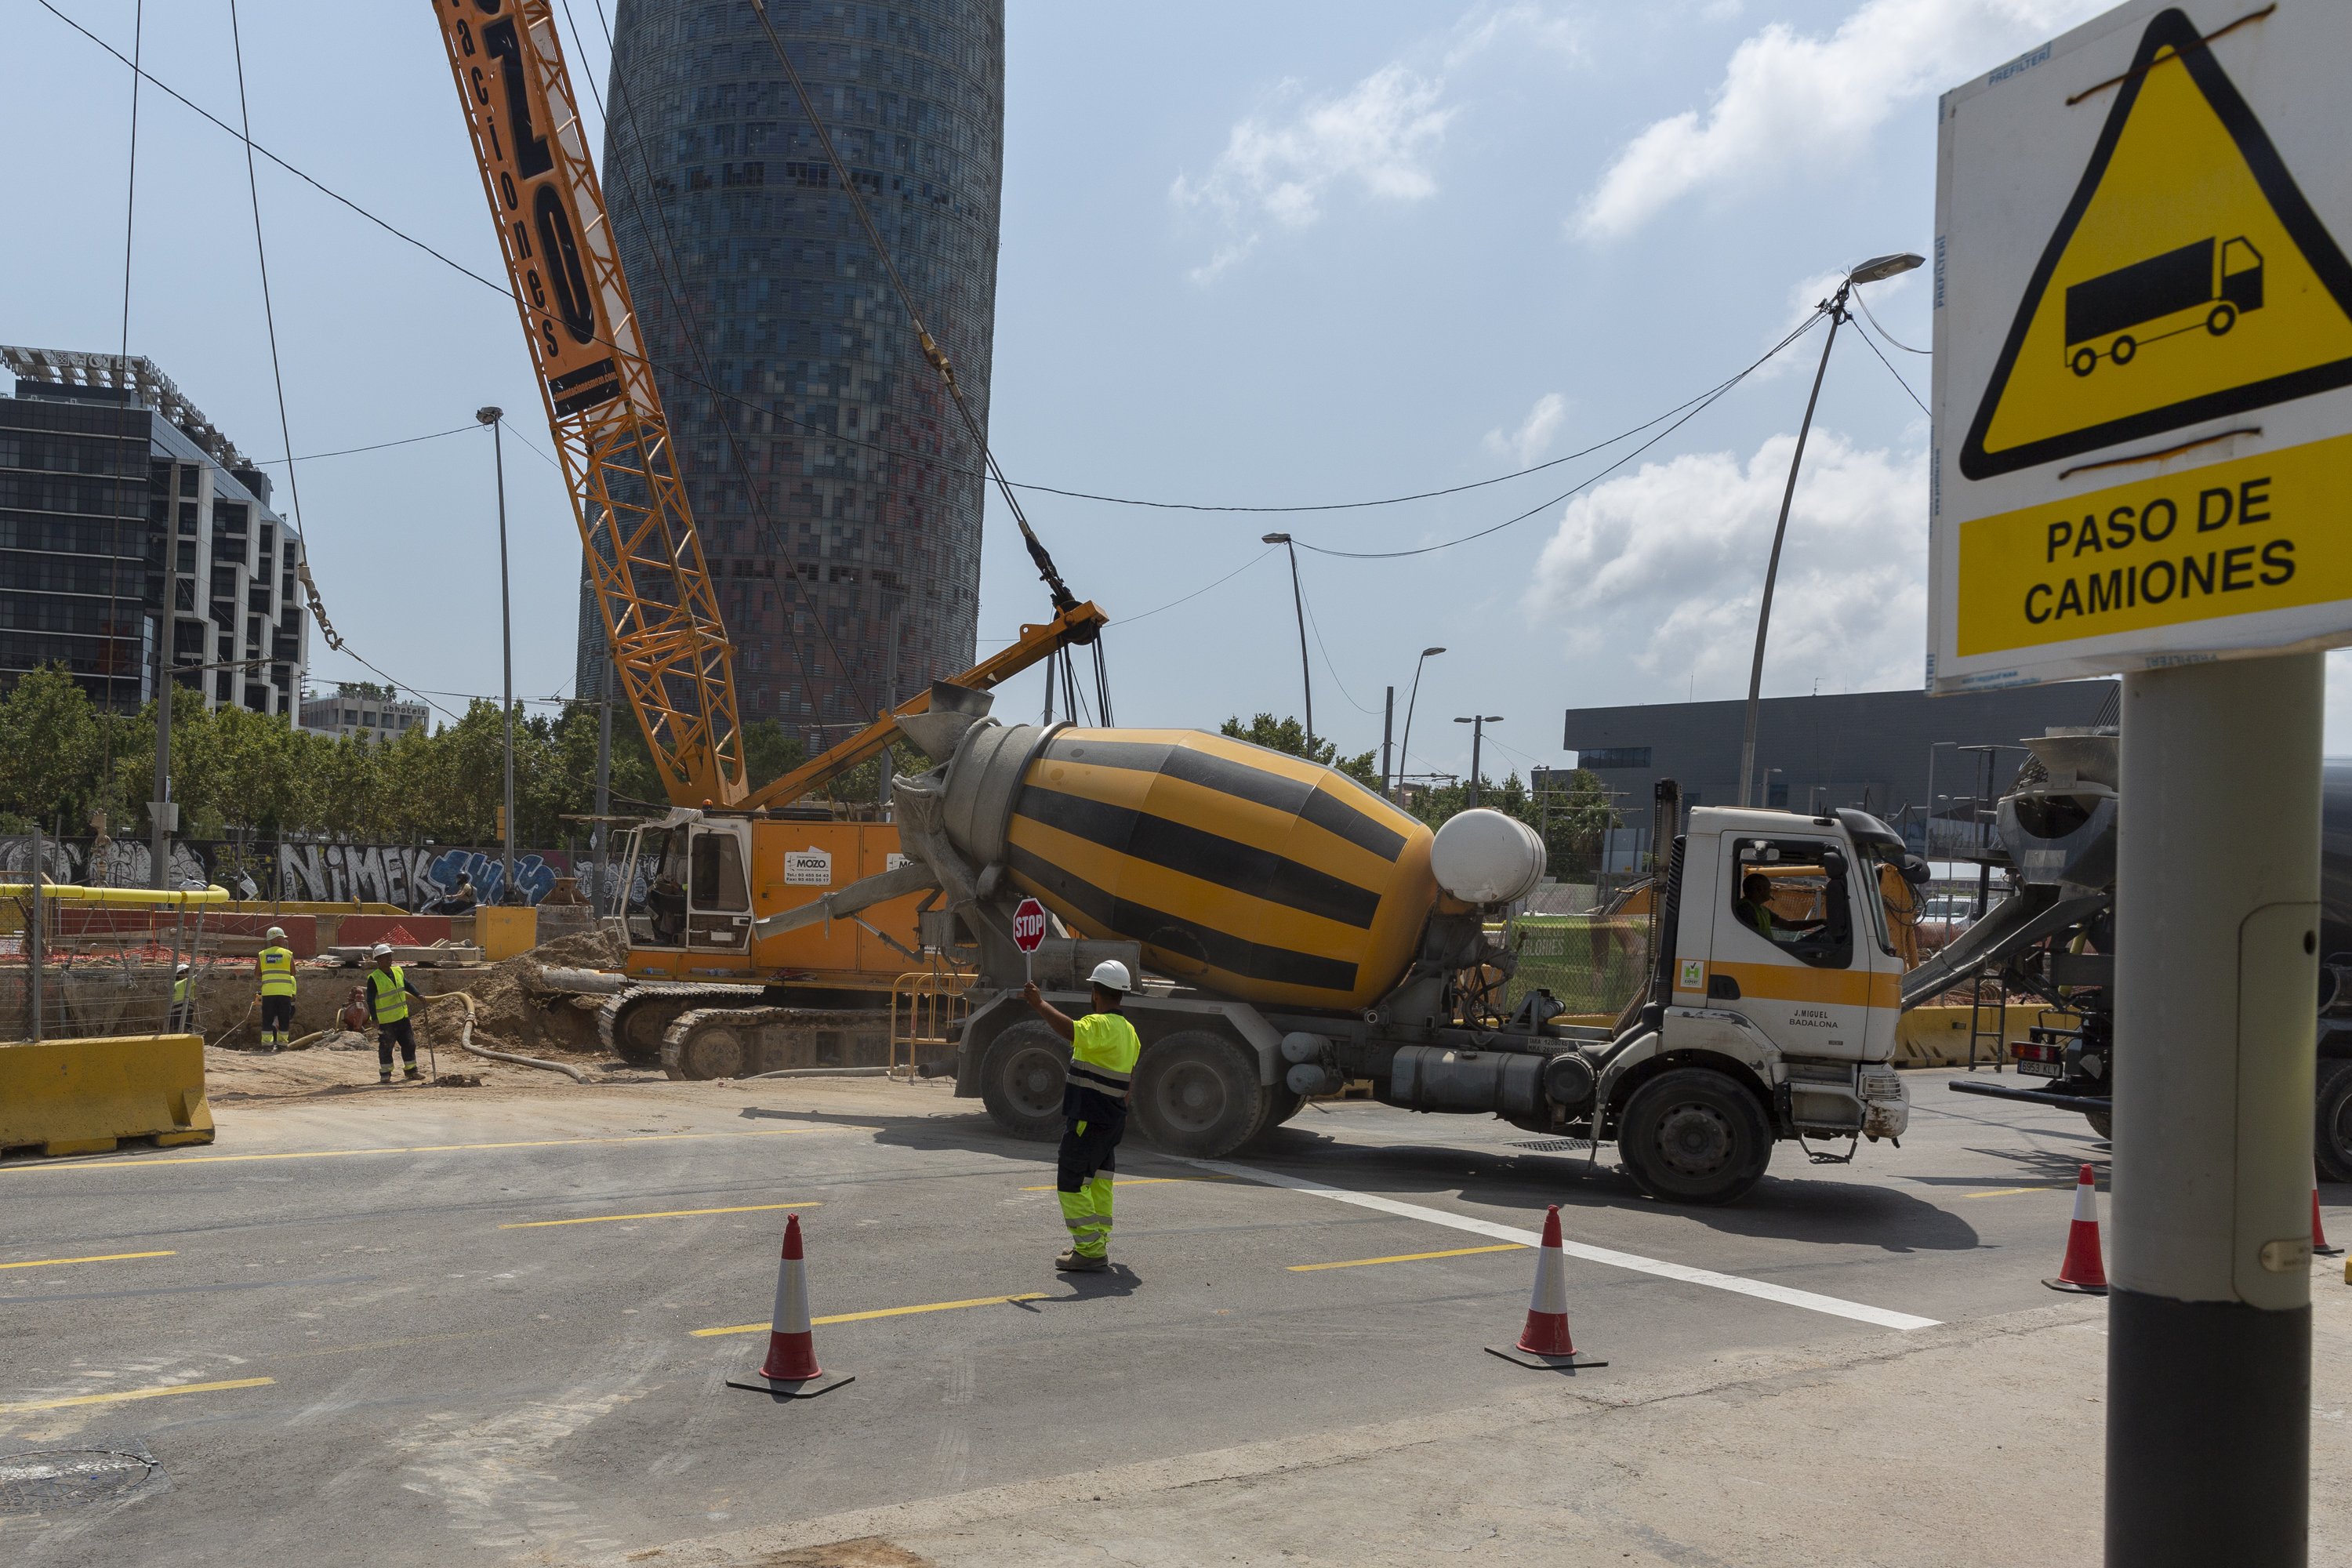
(1533, 438)
(1377, 137)
(1789, 97)
(1664, 567)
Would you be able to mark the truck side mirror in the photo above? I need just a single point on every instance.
(1916, 870)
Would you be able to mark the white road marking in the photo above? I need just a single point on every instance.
(1836, 1307)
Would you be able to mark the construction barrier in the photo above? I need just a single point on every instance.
(83, 1096)
(401, 930)
(1938, 1036)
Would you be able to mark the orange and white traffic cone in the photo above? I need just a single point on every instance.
(2083, 1271)
(1545, 1342)
(2319, 1247)
(791, 1369)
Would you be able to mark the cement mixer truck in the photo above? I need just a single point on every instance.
(1301, 931)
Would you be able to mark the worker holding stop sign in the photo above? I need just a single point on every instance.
(1103, 1051)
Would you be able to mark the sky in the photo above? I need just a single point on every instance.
(1252, 255)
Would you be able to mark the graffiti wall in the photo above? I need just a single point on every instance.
(402, 875)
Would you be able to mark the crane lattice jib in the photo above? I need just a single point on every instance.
(668, 641)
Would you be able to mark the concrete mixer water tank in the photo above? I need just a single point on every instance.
(1483, 856)
(1259, 875)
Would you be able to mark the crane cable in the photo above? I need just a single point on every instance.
(1064, 600)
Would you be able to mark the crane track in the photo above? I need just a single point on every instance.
(614, 1021)
(737, 1042)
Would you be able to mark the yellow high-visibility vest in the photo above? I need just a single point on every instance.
(277, 971)
(388, 993)
(180, 991)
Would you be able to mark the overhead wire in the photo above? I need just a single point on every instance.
(1890, 337)
(1882, 358)
(1196, 592)
(1695, 408)
(506, 290)
(377, 447)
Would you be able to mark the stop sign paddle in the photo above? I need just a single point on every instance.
(1029, 931)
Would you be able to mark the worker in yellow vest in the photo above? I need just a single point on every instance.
(274, 966)
(1103, 1049)
(184, 1016)
(389, 989)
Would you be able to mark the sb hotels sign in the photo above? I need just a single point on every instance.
(2144, 348)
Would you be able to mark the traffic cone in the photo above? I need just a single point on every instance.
(791, 1369)
(1545, 1342)
(2083, 1271)
(2319, 1247)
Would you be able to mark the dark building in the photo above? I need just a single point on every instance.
(1896, 754)
(722, 201)
(126, 518)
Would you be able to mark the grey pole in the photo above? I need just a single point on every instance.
(1772, 567)
(1298, 602)
(1404, 746)
(492, 417)
(603, 786)
(2209, 1323)
(1388, 724)
(1477, 723)
(159, 802)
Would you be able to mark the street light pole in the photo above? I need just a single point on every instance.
(1870, 271)
(1477, 723)
(1298, 602)
(1404, 747)
(493, 417)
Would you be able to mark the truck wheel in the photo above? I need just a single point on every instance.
(1197, 1093)
(1281, 1105)
(1021, 1080)
(2332, 1140)
(1692, 1136)
(2103, 1122)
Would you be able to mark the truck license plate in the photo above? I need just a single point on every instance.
(2040, 1069)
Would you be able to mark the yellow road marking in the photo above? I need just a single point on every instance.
(102, 1258)
(1138, 1181)
(2011, 1192)
(664, 1214)
(416, 1149)
(1408, 1257)
(138, 1394)
(880, 1312)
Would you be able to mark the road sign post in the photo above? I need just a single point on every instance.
(1029, 934)
(2144, 441)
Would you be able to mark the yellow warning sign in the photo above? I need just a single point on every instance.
(2229, 539)
(2187, 280)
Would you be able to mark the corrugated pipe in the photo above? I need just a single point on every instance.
(466, 1038)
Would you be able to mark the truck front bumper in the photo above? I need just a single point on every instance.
(1885, 1102)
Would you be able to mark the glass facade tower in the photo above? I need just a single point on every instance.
(795, 386)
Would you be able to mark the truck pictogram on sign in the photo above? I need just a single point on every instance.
(2159, 292)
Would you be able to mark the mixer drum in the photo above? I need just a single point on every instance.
(1242, 869)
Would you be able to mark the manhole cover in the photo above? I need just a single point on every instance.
(70, 1477)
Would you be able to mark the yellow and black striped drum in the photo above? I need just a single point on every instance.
(1242, 869)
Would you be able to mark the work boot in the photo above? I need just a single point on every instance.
(384, 1077)
(1076, 1262)
(413, 1075)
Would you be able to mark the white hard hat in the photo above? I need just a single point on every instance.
(1111, 975)
(275, 933)
(182, 969)
(383, 949)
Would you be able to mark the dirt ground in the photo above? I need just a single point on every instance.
(513, 1011)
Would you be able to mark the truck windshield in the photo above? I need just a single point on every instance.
(1783, 891)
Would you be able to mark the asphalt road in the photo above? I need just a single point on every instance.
(413, 1326)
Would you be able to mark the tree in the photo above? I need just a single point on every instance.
(49, 752)
(1290, 737)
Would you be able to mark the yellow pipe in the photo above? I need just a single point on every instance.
(69, 894)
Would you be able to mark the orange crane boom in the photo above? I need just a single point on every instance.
(668, 642)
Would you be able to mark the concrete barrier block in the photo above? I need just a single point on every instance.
(85, 1096)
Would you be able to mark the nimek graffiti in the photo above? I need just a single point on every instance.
(335, 873)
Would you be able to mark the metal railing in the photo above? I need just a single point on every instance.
(927, 1008)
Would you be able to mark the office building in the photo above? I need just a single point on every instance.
(362, 708)
(1901, 756)
(128, 520)
(722, 199)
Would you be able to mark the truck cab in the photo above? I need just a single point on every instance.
(1784, 978)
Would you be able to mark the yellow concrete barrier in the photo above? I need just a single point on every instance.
(83, 1096)
(505, 931)
(1938, 1036)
